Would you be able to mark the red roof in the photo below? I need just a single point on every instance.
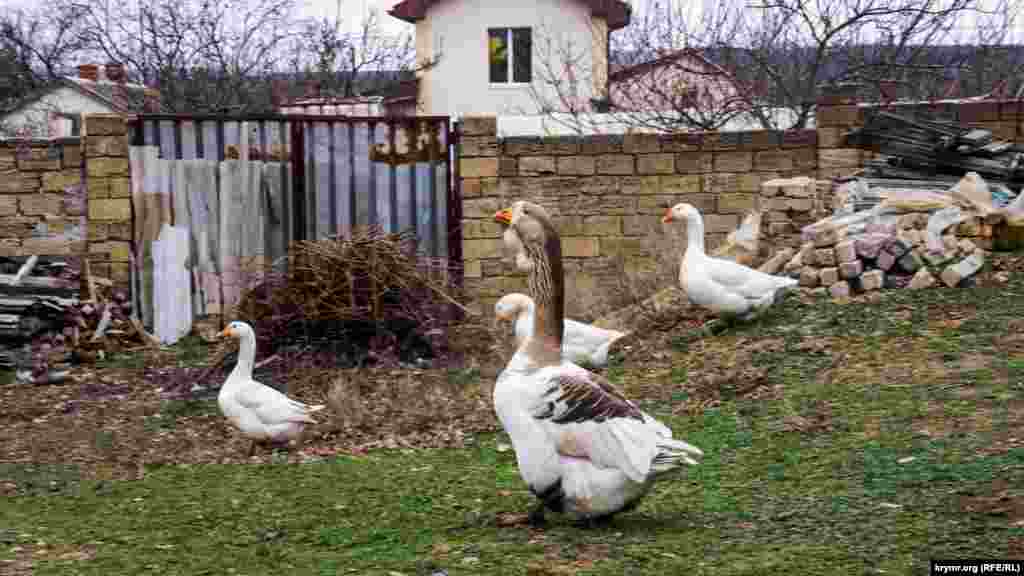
(628, 72)
(616, 12)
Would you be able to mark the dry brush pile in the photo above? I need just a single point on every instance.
(367, 299)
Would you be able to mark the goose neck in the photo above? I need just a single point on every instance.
(547, 288)
(695, 232)
(246, 357)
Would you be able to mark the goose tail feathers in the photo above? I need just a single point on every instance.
(674, 453)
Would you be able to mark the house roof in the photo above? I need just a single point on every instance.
(122, 98)
(625, 72)
(616, 12)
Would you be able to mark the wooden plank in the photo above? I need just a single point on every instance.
(404, 193)
(229, 244)
(361, 167)
(167, 140)
(343, 178)
(143, 162)
(206, 208)
(172, 293)
(17, 305)
(243, 141)
(188, 140)
(253, 226)
(179, 194)
(381, 187)
(209, 130)
(439, 166)
(196, 174)
(273, 192)
(425, 228)
(312, 185)
(322, 174)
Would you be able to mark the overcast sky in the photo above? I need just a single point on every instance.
(352, 10)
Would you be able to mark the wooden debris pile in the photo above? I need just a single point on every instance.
(356, 296)
(45, 325)
(919, 147)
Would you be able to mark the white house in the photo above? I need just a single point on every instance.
(57, 111)
(488, 54)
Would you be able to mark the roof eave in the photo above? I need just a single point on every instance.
(616, 12)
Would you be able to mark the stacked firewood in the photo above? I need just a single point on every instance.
(46, 326)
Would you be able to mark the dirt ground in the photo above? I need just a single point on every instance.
(159, 406)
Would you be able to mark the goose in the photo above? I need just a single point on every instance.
(727, 288)
(580, 342)
(581, 446)
(259, 412)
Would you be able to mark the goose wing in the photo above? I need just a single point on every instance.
(585, 416)
(273, 407)
(743, 280)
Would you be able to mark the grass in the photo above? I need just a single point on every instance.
(889, 439)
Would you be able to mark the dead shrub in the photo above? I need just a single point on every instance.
(370, 294)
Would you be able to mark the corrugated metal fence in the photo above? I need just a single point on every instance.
(232, 182)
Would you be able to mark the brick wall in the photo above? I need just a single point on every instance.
(607, 195)
(69, 196)
(109, 185)
(42, 204)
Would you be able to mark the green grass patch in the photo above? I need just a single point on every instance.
(832, 472)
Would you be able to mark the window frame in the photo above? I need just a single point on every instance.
(509, 33)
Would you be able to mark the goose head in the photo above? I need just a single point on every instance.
(528, 233)
(681, 212)
(689, 214)
(511, 306)
(236, 329)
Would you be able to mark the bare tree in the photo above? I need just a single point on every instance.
(677, 68)
(360, 62)
(202, 56)
(35, 50)
(341, 59)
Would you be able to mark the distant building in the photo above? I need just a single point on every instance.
(57, 111)
(487, 55)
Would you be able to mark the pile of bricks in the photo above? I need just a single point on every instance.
(787, 205)
(892, 255)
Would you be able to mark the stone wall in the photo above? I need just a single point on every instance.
(69, 197)
(110, 206)
(42, 202)
(607, 195)
(608, 192)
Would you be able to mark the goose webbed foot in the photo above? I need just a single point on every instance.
(536, 516)
(590, 523)
(715, 327)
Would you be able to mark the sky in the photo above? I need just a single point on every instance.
(354, 8)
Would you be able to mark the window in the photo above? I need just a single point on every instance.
(516, 63)
(74, 123)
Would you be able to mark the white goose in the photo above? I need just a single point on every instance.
(722, 286)
(580, 342)
(260, 413)
(581, 446)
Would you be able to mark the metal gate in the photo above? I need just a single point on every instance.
(253, 184)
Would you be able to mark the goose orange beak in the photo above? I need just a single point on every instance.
(668, 216)
(225, 333)
(504, 216)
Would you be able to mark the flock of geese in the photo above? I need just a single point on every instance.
(582, 447)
